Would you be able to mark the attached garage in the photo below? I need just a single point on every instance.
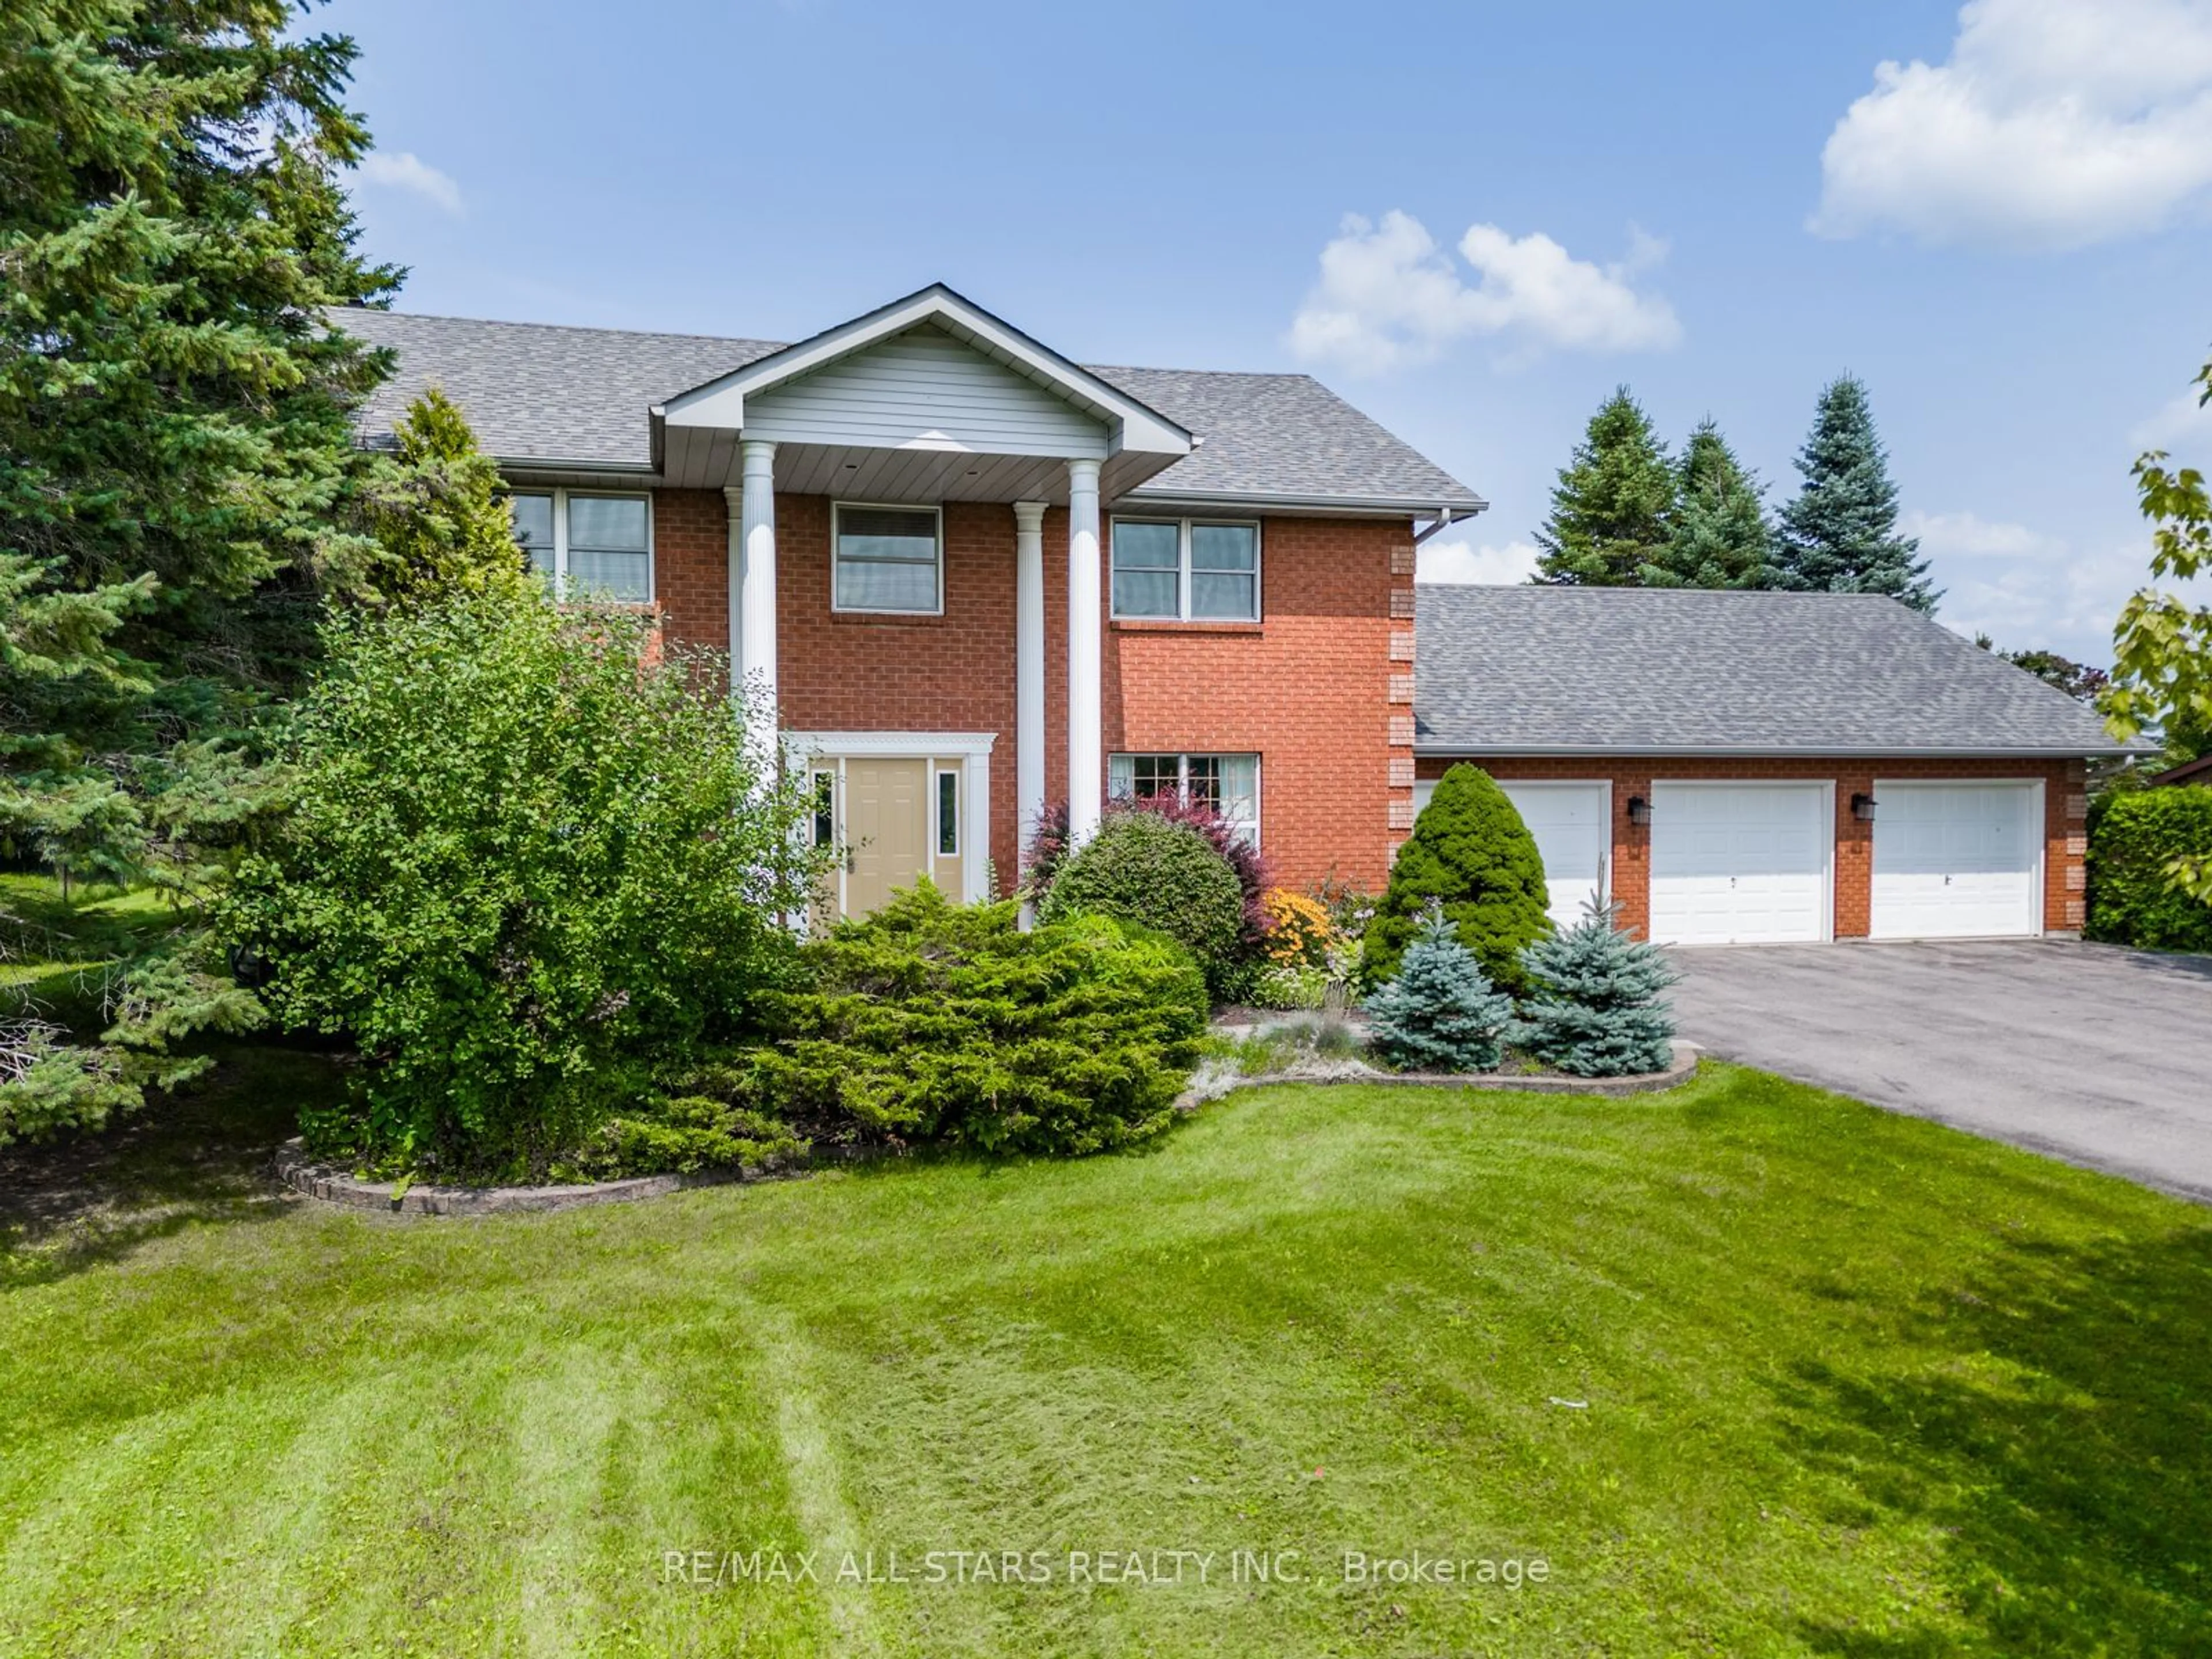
(1770, 768)
(1740, 863)
(1958, 860)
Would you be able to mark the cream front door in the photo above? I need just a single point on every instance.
(886, 829)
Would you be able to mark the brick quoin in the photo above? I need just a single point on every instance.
(1308, 688)
(2064, 805)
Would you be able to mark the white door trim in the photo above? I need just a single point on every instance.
(1827, 788)
(973, 749)
(2038, 832)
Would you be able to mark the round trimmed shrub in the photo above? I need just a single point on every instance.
(1471, 855)
(2132, 838)
(1140, 868)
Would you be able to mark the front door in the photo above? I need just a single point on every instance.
(886, 829)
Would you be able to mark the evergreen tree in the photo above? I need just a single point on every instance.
(1597, 1009)
(1613, 504)
(1439, 1014)
(1471, 853)
(440, 521)
(175, 448)
(1839, 535)
(1720, 536)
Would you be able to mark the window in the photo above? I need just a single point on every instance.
(948, 815)
(1229, 784)
(887, 559)
(595, 544)
(1186, 570)
(825, 809)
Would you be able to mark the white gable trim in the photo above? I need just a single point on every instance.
(1131, 425)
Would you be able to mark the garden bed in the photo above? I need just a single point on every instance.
(1331, 1057)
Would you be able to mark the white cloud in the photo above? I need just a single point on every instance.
(2053, 124)
(405, 170)
(1464, 562)
(1969, 536)
(1388, 296)
(2181, 423)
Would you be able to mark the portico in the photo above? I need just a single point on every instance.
(892, 419)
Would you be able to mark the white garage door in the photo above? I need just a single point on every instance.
(1572, 826)
(1956, 860)
(1740, 863)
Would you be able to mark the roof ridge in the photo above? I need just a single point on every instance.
(571, 328)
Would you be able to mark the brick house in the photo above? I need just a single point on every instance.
(1765, 768)
(967, 578)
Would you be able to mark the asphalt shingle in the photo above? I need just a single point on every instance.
(539, 392)
(1647, 670)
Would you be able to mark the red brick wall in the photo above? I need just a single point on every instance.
(1313, 688)
(2065, 809)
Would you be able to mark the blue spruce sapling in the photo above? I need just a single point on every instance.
(1440, 1013)
(1596, 1010)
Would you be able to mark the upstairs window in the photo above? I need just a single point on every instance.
(588, 545)
(1229, 784)
(889, 559)
(1185, 570)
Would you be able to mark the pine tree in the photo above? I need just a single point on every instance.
(1440, 1013)
(1839, 535)
(1471, 853)
(1611, 508)
(1596, 1010)
(1720, 536)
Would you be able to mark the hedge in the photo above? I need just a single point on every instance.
(2132, 838)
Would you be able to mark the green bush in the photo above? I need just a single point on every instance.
(2133, 836)
(1290, 986)
(1469, 853)
(1439, 1014)
(704, 1121)
(1167, 877)
(930, 1021)
(526, 870)
(1595, 1011)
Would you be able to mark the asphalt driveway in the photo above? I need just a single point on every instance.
(2096, 1054)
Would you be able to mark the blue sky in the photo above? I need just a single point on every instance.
(1995, 216)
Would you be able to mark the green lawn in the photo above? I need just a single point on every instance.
(1854, 1385)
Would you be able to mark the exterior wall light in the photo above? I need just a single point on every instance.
(1639, 810)
(1862, 808)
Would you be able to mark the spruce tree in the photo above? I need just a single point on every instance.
(1440, 1013)
(176, 454)
(1471, 853)
(1612, 505)
(1839, 535)
(1720, 536)
(440, 521)
(1596, 1010)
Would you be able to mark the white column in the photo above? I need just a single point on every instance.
(1028, 669)
(754, 648)
(1086, 760)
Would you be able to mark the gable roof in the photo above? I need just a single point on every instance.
(1575, 671)
(556, 397)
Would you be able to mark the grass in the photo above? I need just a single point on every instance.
(1850, 1384)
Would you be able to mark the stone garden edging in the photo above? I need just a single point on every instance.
(332, 1184)
(1681, 1070)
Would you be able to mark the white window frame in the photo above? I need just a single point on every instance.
(1182, 774)
(1183, 527)
(562, 495)
(836, 512)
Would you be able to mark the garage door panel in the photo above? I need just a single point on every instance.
(1956, 860)
(1739, 863)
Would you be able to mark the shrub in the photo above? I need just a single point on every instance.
(1300, 932)
(1440, 1013)
(1470, 854)
(1140, 868)
(1290, 985)
(524, 867)
(933, 1022)
(1596, 1010)
(2133, 837)
(684, 1134)
(1049, 852)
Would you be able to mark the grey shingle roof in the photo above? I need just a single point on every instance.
(1644, 670)
(539, 392)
